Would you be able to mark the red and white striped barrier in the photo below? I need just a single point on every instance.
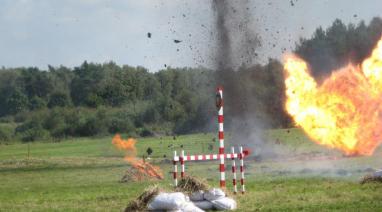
(206, 157)
(219, 105)
(221, 156)
(241, 157)
(183, 158)
(233, 171)
(175, 170)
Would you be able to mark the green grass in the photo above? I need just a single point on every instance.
(83, 174)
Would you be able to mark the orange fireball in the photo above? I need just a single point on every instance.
(345, 111)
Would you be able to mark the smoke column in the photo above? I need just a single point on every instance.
(224, 51)
(236, 42)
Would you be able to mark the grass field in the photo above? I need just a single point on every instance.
(290, 173)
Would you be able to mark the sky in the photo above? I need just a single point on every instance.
(67, 32)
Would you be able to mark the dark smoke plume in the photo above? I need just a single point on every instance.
(236, 42)
(236, 37)
(224, 51)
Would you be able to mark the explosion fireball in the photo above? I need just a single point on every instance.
(345, 111)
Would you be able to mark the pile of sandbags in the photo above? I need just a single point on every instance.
(191, 195)
(172, 202)
(197, 201)
(214, 198)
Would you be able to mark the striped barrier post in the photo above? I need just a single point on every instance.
(219, 105)
(175, 170)
(182, 164)
(233, 171)
(241, 157)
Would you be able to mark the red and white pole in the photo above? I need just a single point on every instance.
(241, 156)
(233, 171)
(181, 159)
(219, 105)
(175, 170)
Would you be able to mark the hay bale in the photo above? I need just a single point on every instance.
(140, 203)
(191, 184)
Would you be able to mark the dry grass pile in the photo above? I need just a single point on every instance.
(134, 175)
(192, 184)
(371, 179)
(140, 203)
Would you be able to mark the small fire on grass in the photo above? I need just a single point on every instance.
(141, 170)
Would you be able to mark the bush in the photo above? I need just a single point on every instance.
(151, 115)
(120, 121)
(32, 131)
(74, 119)
(120, 125)
(145, 132)
(149, 151)
(86, 127)
(21, 117)
(6, 119)
(56, 124)
(59, 99)
(91, 126)
(6, 133)
(36, 103)
(16, 102)
(55, 119)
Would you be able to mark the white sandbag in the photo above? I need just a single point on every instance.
(190, 207)
(224, 203)
(168, 201)
(197, 196)
(214, 194)
(205, 205)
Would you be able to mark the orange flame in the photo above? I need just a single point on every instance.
(143, 167)
(344, 112)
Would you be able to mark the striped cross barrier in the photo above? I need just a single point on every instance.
(205, 157)
(182, 158)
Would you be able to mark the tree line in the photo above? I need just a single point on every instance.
(97, 99)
